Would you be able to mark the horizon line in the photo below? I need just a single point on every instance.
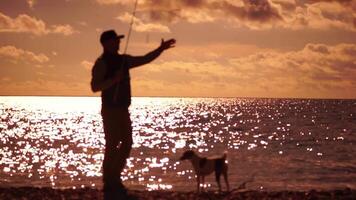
(211, 97)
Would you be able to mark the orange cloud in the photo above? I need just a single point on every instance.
(196, 11)
(261, 14)
(31, 3)
(110, 2)
(322, 15)
(140, 26)
(43, 87)
(16, 54)
(87, 64)
(27, 24)
(253, 14)
(317, 70)
(63, 29)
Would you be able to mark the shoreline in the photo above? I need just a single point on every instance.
(92, 193)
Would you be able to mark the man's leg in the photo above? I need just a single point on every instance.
(125, 137)
(111, 145)
(109, 168)
(118, 137)
(113, 188)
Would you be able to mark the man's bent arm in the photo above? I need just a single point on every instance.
(98, 82)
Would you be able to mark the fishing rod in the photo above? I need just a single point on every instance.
(126, 46)
(130, 28)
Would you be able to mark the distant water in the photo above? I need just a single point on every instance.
(274, 144)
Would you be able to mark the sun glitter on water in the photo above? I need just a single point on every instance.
(59, 141)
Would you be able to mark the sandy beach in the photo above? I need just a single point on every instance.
(89, 193)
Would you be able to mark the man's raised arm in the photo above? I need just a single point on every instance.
(135, 61)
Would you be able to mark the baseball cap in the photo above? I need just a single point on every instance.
(110, 34)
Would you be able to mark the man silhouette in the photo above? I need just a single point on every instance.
(110, 75)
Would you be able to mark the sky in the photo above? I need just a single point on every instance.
(225, 48)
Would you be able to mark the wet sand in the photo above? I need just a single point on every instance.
(89, 193)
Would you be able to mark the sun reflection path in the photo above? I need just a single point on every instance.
(59, 142)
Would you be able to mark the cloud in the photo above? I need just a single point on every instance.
(140, 26)
(111, 2)
(41, 87)
(198, 16)
(31, 3)
(251, 13)
(339, 1)
(178, 78)
(260, 11)
(87, 64)
(254, 14)
(322, 15)
(317, 71)
(63, 29)
(15, 54)
(5, 79)
(22, 23)
(27, 24)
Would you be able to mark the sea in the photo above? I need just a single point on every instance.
(271, 144)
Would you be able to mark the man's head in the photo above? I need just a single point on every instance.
(110, 41)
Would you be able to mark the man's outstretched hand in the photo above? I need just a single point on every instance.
(167, 44)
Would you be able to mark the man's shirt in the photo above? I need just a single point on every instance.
(104, 71)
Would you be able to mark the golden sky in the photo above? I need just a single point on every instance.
(225, 48)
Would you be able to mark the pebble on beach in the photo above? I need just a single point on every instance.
(31, 193)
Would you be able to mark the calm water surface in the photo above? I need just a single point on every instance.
(273, 144)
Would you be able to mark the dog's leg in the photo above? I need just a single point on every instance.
(217, 178)
(203, 183)
(225, 177)
(198, 183)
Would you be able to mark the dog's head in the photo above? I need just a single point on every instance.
(187, 155)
